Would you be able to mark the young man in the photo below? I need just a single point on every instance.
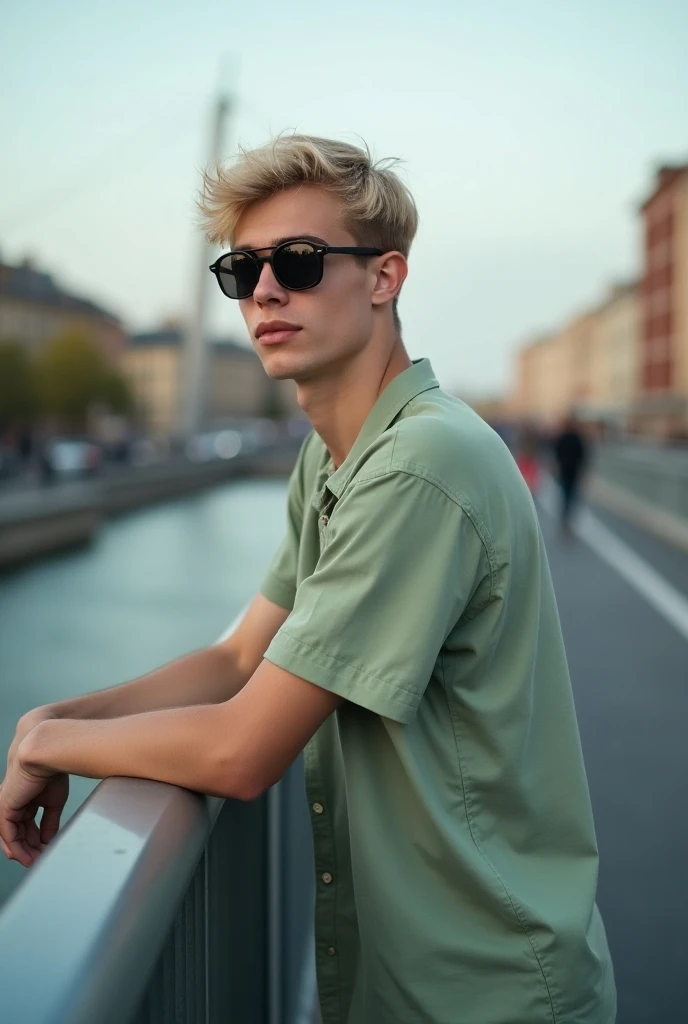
(406, 635)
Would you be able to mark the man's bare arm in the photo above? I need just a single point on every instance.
(209, 676)
(236, 749)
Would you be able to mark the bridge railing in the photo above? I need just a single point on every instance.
(652, 473)
(157, 905)
(646, 483)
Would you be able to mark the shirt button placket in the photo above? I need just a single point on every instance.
(325, 926)
(326, 877)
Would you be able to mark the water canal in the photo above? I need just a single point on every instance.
(156, 584)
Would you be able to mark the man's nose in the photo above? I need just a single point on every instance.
(268, 287)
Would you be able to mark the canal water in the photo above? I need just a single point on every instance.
(154, 585)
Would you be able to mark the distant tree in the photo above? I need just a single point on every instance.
(116, 393)
(72, 375)
(17, 385)
(69, 374)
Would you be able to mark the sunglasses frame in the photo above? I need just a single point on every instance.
(319, 250)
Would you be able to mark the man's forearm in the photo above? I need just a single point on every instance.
(208, 676)
(182, 746)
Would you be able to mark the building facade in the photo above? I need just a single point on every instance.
(538, 367)
(554, 372)
(589, 367)
(237, 386)
(614, 369)
(34, 309)
(661, 408)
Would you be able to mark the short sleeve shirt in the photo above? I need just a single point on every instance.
(455, 852)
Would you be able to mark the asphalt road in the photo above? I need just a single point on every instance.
(626, 634)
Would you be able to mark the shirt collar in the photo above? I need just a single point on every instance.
(401, 389)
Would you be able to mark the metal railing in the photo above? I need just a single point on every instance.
(158, 905)
(652, 473)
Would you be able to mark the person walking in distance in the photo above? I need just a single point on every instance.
(405, 638)
(571, 458)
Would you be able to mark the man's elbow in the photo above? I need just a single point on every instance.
(240, 782)
(246, 791)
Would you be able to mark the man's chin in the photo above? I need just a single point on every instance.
(280, 366)
(279, 372)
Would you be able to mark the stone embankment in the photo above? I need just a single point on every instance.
(41, 520)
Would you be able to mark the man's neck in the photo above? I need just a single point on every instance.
(338, 405)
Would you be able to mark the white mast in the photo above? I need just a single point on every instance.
(194, 382)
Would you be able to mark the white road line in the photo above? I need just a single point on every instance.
(658, 593)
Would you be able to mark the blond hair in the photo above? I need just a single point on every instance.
(378, 209)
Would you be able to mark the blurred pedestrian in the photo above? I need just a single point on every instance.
(528, 456)
(571, 455)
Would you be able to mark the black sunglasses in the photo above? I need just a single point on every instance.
(297, 265)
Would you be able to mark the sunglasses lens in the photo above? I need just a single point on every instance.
(297, 265)
(238, 275)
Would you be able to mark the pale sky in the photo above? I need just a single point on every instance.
(529, 132)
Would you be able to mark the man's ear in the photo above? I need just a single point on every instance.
(390, 274)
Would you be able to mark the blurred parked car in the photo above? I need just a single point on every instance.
(223, 444)
(10, 463)
(73, 458)
(143, 451)
(299, 426)
(256, 434)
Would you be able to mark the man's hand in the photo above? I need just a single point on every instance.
(24, 726)
(23, 791)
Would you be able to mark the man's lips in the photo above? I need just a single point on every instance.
(270, 332)
(273, 337)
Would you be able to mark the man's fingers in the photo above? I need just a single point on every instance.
(50, 824)
(32, 835)
(20, 838)
(17, 849)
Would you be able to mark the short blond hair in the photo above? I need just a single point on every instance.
(378, 209)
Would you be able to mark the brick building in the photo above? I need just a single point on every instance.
(662, 405)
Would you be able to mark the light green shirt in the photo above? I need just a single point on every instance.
(455, 853)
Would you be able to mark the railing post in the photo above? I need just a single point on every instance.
(275, 905)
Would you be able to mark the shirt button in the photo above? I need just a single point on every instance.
(318, 808)
(325, 520)
(326, 877)
(331, 951)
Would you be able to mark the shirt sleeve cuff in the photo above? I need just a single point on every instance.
(349, 682)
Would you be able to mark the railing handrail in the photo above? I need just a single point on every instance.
(658, 457)
(130, 851)
(82, 933)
